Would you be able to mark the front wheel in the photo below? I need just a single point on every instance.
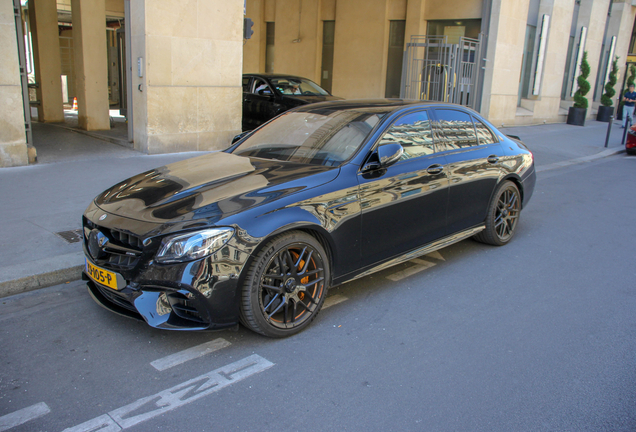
(503, 215)
(285, 286)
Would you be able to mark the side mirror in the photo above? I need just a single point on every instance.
(389, 154)
(385, 155)
(241, 136)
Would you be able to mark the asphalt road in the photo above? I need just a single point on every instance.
(539, 335)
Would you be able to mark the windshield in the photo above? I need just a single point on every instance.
(298, 86)
(328, 138)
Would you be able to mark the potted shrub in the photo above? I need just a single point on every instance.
(630, 79)
(577, 113)
(606, 109)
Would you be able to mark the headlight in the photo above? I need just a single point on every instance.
(194, 245)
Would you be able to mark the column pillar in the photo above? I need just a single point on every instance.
(621, 24)
(187, 95)
(298, 45)
(415, 19)
(547, 103)
(506, 37)
(46, 59)
(13, 148)
(593, 15)
(254, 48)
(360, 49)
(91, 63)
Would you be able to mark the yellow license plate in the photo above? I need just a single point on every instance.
(101, 276)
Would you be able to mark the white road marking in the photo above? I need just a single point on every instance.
(419, 266)
(436, 255)
(22, 416)
(152, 406)
(189, 354)
(99, 424)
(333, 300)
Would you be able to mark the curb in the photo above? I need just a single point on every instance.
(112, 140)
(67, 268)
(24, 277)
(600, 155)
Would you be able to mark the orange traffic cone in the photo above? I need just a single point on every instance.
(74, 104)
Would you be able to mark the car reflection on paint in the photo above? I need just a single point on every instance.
(267, 95)
(324, 194)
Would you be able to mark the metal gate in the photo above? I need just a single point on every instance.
(435, 70)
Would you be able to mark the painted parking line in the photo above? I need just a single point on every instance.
(24, 415)
(152, 406)
(435, 255)
(189, 354)
(419, 265)
(333, 300)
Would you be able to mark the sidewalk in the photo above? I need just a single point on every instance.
(43, 203)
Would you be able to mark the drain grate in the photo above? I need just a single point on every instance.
(72, 236)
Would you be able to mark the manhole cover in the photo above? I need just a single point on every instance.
(72, 236)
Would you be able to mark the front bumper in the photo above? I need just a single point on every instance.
(169, 308)
(197, 295)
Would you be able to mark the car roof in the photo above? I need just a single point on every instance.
(382, 105)
(273, 75)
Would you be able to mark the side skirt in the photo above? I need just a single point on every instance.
(426, 249)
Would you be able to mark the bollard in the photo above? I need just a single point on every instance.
(609, 129)
(628, 120)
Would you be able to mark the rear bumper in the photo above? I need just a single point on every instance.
(630, 142)
(528, 181)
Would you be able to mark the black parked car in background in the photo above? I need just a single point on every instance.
(267, 95)
(324, 194)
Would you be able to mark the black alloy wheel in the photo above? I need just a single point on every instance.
(503, 215)
(285, 286)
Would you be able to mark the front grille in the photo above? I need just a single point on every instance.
(184, 308)
(120, 252)
(122, 261)
(127, 239)
(115, 298)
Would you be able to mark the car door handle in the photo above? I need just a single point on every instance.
(435, 169)
(493, 159)
(247, 101)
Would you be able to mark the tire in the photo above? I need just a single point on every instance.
(285, 286)
(502, 216)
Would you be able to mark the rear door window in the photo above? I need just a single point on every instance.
(456, 128)
(484, 134)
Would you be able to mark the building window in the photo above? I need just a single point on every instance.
(328, 37)
(269, 48)
(394, 59)
(454, 29)
(526, 63)
(568, 66)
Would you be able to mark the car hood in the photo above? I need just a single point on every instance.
(209, 187)
(313, 99)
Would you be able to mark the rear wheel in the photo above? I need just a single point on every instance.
(285, 286)
(503, 215)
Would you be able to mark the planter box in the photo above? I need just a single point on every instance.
(576, 116)
(604, 113)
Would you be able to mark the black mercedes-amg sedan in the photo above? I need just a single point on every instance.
(324, 194)
(267, 95)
